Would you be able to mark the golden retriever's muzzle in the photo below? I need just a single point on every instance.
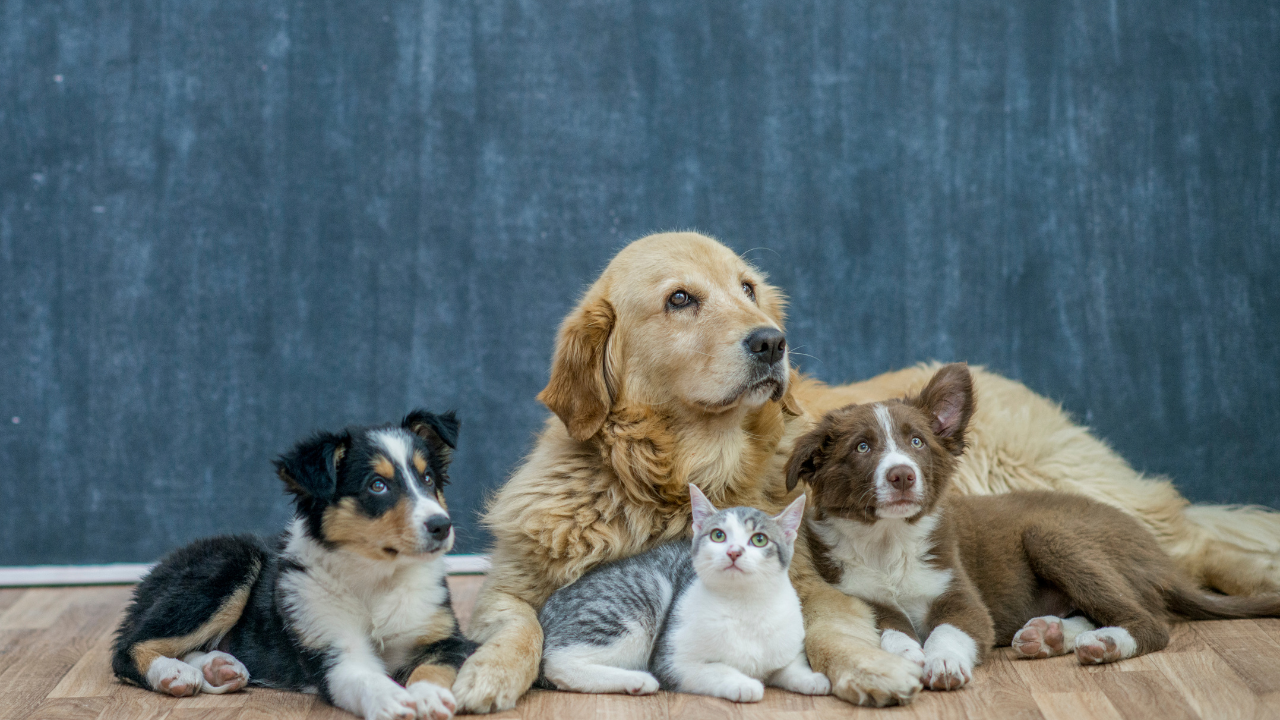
(767, 348)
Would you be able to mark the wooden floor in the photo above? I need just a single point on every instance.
(54, 646)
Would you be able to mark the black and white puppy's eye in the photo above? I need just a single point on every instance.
(679, 299)
(917, 443)
(863, 447)
(749, 290)
(377, 487)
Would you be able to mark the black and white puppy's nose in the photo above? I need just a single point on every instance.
(901, 477)
(767, 345)
(438, 526)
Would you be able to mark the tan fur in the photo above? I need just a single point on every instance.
(419, 462)
(345, 525)
(438, 675)
(647, 402)
(638, 420)
(384, 468)
(147, 652)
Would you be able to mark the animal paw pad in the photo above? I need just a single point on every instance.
(1041, 637)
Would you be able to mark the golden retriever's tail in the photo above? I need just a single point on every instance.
(1232, 548)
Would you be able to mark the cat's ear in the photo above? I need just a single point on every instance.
(702, 508)
(789, 520)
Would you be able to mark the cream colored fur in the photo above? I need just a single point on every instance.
(648, 401)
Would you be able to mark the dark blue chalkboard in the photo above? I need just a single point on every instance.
(226, 224)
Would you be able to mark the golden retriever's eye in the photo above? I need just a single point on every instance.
(750, 291)
(917, 443)
(679, 299)
(863, 447)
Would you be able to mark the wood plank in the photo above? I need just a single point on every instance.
(138, 705)
(9, 596)
(68, 709)
(1145, 693)
(998, 691)
(1210, 687)
(1076, 705)
(36, 609)
(267, 704)
(91, 676)
(1241, 643)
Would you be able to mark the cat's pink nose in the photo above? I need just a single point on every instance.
(734, 553)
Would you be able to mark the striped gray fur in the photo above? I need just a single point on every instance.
(632, 600)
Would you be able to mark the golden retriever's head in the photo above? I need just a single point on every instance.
(676, 321)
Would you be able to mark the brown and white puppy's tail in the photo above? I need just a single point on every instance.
(1192, 603)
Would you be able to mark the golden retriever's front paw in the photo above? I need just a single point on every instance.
(875, 678)
(489, 683)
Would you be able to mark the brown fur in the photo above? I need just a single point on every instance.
(377, 538)
(606, 477)
(647, 401)
(1014, 556)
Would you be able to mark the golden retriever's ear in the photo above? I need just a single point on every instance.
(578, 392)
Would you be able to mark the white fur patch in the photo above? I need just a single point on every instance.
(1125, 645)
(949, 657)
(172, 676)
(903, 645)
(887, 562)
(891, 458)
(619, 667)
(199, 660)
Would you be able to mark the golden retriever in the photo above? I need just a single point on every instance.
(673, 370)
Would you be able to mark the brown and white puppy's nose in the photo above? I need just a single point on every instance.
(901, 478)
(767, 345)
(438, 527)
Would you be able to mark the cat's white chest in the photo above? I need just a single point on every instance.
(757, 637)
(887, 562)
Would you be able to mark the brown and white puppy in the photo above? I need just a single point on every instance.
(1050, 572)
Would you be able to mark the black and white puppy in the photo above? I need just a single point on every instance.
(351, 602)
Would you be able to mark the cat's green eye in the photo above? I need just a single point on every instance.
(863, 447)
(917, 443)
(717, 535)
(759, 539)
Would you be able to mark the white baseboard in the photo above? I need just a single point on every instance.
(125, 573)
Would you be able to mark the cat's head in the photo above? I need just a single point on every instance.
(742, 545)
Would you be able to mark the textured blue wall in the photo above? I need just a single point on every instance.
(226, 224)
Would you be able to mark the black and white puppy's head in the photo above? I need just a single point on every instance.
(376, 491)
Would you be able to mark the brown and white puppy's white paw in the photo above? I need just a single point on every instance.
(174, 677)
(1104, 645)
(902, 645)
(1049, 636)
(949, 657)
(434, 702)
(222, 673)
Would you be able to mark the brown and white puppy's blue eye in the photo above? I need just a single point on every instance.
(377, 487)
(749, 290)
(917, 443)
(863, 447)
(759, 539)
(717, 535)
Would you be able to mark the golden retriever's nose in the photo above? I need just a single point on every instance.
(767, 345)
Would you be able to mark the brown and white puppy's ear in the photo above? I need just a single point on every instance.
(578, 392)
(440, 432)
(789, 520)
(809, 454)
(310, 469)
(948, 401)
(702, 508)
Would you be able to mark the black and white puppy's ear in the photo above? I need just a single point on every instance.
(948, 401)
(310, 469)
(809, 454)
(440, 432)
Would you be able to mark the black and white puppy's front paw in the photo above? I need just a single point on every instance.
(434, 702)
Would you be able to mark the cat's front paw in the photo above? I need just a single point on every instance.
(815, 683)
(434, 702)
(742, 689)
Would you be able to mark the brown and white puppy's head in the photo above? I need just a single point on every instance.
(376, 491)
(676, 321)
(891, 459)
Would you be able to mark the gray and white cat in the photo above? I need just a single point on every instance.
(714, 618)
